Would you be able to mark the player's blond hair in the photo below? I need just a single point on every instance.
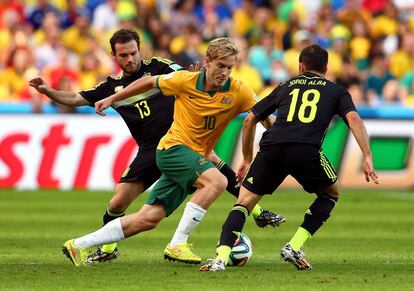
(220, 48)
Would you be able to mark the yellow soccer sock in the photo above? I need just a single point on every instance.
(109, 248)
(223, 252)
(299, 238)
(256, 211)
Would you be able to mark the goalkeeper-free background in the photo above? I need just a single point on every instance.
(367, 244)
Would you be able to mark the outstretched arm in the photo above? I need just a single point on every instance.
(139, 86)
(360, 133)
(63, 97)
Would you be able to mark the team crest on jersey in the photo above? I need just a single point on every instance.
(118, 88)
(226, 100)
(202, 161)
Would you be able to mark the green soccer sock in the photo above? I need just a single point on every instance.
(318, 213)
(109, 248)
(223, 252)
(299, 239)
(256, 211)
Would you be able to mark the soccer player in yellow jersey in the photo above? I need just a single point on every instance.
(205, 103)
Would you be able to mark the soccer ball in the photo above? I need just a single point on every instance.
(242, 250)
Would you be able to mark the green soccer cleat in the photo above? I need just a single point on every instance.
(77, 255)
(181, 253)
(267, 217)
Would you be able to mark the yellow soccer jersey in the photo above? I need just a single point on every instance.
(199, 118)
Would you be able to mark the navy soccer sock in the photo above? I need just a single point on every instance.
(233, 186)
(110, 215)
(318, 213)
(234, 223)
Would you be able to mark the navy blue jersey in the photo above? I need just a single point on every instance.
(148, 115)
(305, 107)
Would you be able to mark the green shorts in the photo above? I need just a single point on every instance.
(180, 168)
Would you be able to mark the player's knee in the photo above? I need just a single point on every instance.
(117, 205)
(330, 192)
(333, 193)
(331, 196)
(220, 184)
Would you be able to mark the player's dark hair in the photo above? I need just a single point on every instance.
(315, 58)
(123, 36)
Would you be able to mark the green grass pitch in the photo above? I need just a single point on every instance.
(368, 244)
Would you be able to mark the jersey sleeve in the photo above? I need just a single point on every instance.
(345, 103)
(97, 93)
(248, 96)
(267, 105)
(165, 66)
(171, 83)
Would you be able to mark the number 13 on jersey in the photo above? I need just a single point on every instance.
(306, 102)
(143, 109)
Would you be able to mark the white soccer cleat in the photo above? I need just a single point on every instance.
(213, 265)
(297, 258)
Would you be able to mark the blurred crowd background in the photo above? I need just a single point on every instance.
(370, 42)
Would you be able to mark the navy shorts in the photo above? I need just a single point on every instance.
(304, 162)
(142, 169)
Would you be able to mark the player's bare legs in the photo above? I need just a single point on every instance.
(210, 184)
(125, 194)
(331, 191)
(146, 218)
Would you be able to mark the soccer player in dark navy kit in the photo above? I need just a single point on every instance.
(148, 117)
(305, 107)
